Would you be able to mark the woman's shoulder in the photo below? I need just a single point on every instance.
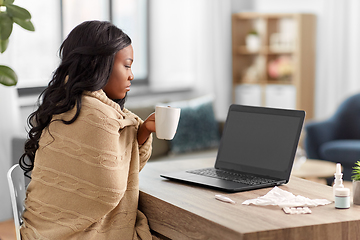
(100, 104)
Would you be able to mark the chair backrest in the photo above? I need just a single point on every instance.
(17, 188)
(347, 117)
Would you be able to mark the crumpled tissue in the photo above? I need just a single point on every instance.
(282, 198)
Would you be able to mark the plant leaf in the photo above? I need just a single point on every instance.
(26, 24)
(17, 12)
(7, 76)
(6, 26)
(8, 2)
(356, 171)
(3, 45)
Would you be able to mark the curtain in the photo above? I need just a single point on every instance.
(172, 44)
(215, 67)
(190, 48)
(338, 55)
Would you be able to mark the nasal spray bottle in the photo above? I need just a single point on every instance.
(341, 194)
(338, 182)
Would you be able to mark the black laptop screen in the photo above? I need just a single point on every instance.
(257, 140)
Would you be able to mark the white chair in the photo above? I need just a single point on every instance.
(17, 188)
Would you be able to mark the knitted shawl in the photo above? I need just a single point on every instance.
(85, 182)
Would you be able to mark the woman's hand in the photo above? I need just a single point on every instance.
(146, 129)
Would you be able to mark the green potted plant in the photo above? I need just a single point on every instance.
(356, 183)
(252, 41)
(10, 14)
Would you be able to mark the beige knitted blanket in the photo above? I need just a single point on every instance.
(85, 182)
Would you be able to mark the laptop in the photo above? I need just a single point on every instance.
(257, 150)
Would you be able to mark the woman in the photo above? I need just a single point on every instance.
(85, 150)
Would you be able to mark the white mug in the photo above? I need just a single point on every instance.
(166, 122)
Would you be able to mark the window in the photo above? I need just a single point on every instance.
(34, 55)
(131, 17)
(76, 12)
(175, 28)
(128, 15)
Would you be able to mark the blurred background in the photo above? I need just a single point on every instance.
(182, 50)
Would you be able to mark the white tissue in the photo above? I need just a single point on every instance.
(282, 198)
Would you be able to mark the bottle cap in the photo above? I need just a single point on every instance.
(338, 168)
(338, 173)
(342, 192)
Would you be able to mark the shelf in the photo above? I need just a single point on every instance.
(280, 82)
(243, 50)
(255, 15)
(273, 82)
(247, 83)
(279, 51)
(285, 45)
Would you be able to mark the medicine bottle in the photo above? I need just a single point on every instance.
(342, 198)
(338, 182)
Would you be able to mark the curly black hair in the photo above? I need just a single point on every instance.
(87, 58)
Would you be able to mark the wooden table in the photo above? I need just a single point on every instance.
(313, 168)
(181, 211)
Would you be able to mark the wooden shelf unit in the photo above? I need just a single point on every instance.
(297, 86)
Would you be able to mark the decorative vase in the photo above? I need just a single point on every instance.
(252, 42)
(356, 192)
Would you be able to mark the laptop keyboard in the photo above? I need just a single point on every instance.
(231, 176)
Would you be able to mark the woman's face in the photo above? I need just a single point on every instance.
(121, 75)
